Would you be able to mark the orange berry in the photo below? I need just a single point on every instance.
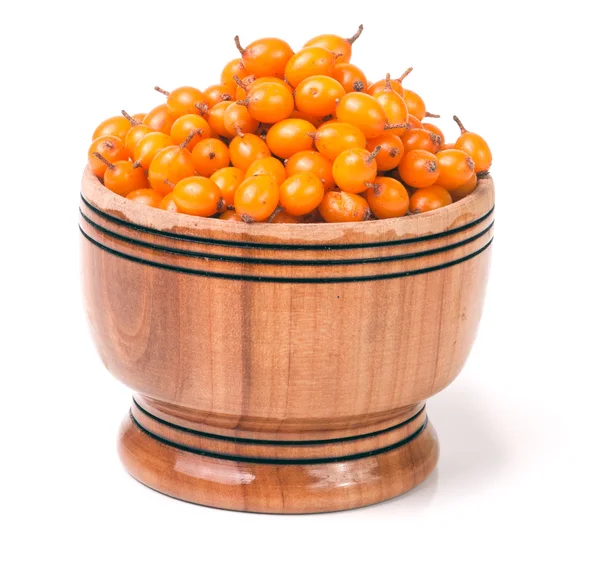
(445, 146)
(464, 190)
(133, 137)
(168, 204)
(183, 100)
(244, 88)
(308, 62)
(210, 155)
(455, 168)
(160, 119)
(364, 112)
(334, 137)
(419, 168)
(340, 46)
(343, 207)
(269, 102)
(421, 139)
(415, 104)
(475, 146)
(350, 77)
(353, 168)
(169, 166)
(290, 136)
(391, 152)
(284, 218)
(318, 95)
(267, 166)
(265, 57)
(235, 68)
(430, 198)
(436, 130)
(244, 150)
(188, 124)
(237, 119)
(216, 119)
(197, 196)
(394, 108)
(146, 196)
(311, 162)
(109, 147)
(147, 147)
(218, 93)
(117, 126)
(123, 176)
(387, 198)
(228, 179)
(256, 198)
(230, 216)
(396, 84)
(139, 118)
(301, 194)
(414, 123)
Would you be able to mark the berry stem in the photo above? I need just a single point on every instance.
(159, 89)
(405, 74)
(248, 219)
(430, 115)
(202, 108)
(189, 138)
(352, 39)
(374, 154)
(243, 102)
(239, 131)
(388, 83)
(275, 212)
(460, 125)
(236, 39)
(104, 160)
(240, 82)
(131, 120)
(169, 183)
(405, 125)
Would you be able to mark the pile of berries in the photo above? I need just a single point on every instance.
(286, 138)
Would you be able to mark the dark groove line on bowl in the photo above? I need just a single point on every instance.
(278, 442)
(287, 280)
(289, 247)
(285, 262)
(275, 461)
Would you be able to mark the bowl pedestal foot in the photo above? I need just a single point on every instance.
(287, 477)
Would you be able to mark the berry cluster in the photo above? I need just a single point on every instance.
(289, 137)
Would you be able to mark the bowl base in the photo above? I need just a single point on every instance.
(283, 477)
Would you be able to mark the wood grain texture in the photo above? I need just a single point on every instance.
(299, 342)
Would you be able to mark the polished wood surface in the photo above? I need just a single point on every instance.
(312, 345)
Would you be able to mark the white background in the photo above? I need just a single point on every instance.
(517, 480)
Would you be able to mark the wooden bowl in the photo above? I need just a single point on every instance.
(282, 368)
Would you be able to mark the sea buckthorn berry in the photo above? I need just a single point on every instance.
(364, 112)
(301, 193)
(197, 196)
(269, 102)
(340, 46)
(265, 57)
(235, 68)
(230, 216)
(228, 179)
(218, 93)
(436, 130)
(430, 198)
(350, 77)
(168, 204)
(464, 190)
(210, 155)
(147, 147)
(245, 86)
(394, 108)
(318, 95)
(267, 166)
(123, 176)
(187, 124)
(146, 196)
(354, 167)
(421, 139)
(396, 84)
(290, 136)
(415, 104)
(237, 120)
(344, 207)
(311, 162)
(334, 137)
(391, 152)
(308, 62)
(133, 137)
(109, 147)
(283, 217)
(256, 198)
(170, 164)
(216, 119)
(475, 146)
(387, 198)
(244, 150)
(419, 168)
(160, 119)
(455, 168)
(414, 123)
(183, 100)
(117, 126)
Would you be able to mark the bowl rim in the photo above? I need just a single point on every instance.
(456, 215)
